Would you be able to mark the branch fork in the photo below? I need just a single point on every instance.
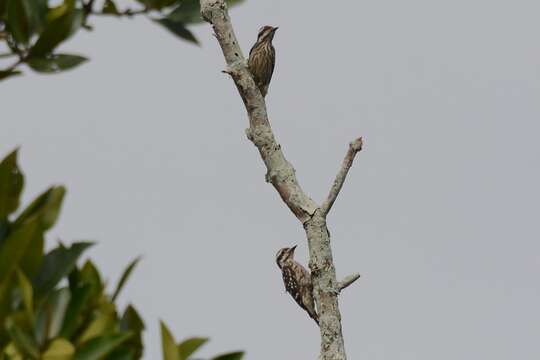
(281, 174)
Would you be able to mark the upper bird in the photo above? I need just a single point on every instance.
(297, 280)
(262, 58)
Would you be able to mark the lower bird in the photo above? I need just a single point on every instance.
(297, 281)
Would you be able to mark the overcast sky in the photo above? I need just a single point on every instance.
(440, 213)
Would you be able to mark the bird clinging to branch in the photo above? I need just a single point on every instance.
(262, 58)
(297, 281)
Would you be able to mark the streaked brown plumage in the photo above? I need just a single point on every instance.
(297, 281)
(262, 58)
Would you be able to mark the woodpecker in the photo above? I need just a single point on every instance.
(297, 280)
(262, 58)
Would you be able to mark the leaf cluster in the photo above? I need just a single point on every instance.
(33, 30)
(186, 348)
(50, 307)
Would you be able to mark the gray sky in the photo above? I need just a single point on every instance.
(439, 213)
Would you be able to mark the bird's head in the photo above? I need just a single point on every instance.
(285, 255)
(266, 33)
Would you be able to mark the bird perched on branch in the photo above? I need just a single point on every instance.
(262, 58)
(297, 281)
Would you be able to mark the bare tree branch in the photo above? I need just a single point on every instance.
(281, 174)
(354, 148)
(348, 280)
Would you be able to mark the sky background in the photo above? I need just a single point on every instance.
(440, 212)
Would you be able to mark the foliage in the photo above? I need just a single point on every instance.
(50, 307)
(186, 348)
(32, 30)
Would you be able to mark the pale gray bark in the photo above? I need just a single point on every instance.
(354, 148)
(281, 175)
(348, 280)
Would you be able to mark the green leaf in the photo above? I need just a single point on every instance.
(74, 312)
(177, 28)
(109, 7)
(4, 74)
(11, 184)
(170, 351)
(41, 8)
(55, 63)
(59, 349)
(125, 277)
(3, 6)
(5, 306)
(74, 279)
(57, 31)
(46, 206)
(24, 342)
(56, 12)
(131, 320)
(89, 274)
(230, 356)
(57, 264)
(26, 293)
(103, 324)
(50, 315)
(12, 353)
(33, 257)
(188, 12)
(99, 347)
(124, 352)
(4, 230)
(57, 310)
(13, 249)
(21, 19)
(189, 346)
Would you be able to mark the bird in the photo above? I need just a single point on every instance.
(297, 280)
(262, 58)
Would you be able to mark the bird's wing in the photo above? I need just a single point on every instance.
(291, 285)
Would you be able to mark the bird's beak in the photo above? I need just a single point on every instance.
(274, 29)
(293, 248)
